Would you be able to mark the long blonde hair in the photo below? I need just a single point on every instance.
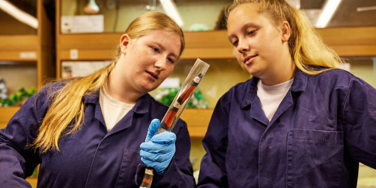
(306, 48)
(67, 106)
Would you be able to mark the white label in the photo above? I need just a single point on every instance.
(82, 24)
(81, 68)
(73, 53)
(28, 55)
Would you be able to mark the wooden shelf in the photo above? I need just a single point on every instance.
(347, 42)
(33, 182)
(197, 119)
(359, 41)
(350, 41)
(6, 113)
(102, 46)
(18, 47)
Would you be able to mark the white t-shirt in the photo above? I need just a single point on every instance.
(271, 96)
(112, 109)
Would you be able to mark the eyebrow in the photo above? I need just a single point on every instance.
(243, 28)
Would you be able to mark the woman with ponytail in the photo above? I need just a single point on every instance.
(87, 131)
(300, 121)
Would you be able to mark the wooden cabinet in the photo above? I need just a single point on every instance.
(35, 49)
(32, 48)
(26, 53)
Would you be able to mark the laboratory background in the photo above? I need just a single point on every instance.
(47, 40)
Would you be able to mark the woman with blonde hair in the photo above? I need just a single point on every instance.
(87, 131)
(300, 121)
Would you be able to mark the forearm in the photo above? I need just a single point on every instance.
(175, 176)
(12, 165)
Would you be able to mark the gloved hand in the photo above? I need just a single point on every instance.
(158, 150)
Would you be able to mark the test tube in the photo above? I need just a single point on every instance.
(177, 106)
(181, 99)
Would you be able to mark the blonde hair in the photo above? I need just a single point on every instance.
(307, 49)
(66, 113)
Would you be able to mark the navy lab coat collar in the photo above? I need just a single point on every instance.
(299, 85)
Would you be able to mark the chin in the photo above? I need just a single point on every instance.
(249, 71)
(150, 88)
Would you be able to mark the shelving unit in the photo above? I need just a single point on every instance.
(32, 48)
(195, 118)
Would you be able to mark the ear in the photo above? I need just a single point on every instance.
(124, 41)
(286, 31)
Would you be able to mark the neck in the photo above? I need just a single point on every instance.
(280, 76)
(120, 91)
(282, 71)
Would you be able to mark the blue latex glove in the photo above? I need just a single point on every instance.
(157, 150)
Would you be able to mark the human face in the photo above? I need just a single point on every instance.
(148, 60)
(259, 45)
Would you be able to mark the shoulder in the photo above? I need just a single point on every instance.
(237, 89)
(336, 73)
(49, 90)
(238, 92)
(53, 87)
(155, 105)
(339, 83)
(337, 78)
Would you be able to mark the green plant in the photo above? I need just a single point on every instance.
(167, 95)
(18, 98)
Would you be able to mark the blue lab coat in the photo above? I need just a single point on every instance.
(91, 157)
(323, 127)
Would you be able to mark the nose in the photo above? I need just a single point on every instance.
(243, 46)
(161, 64)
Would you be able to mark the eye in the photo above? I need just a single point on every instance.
(171, 60)
(155, 49)
(234, 43)
(251, 32)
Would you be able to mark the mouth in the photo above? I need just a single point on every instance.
(249, 59)
(153, 75)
